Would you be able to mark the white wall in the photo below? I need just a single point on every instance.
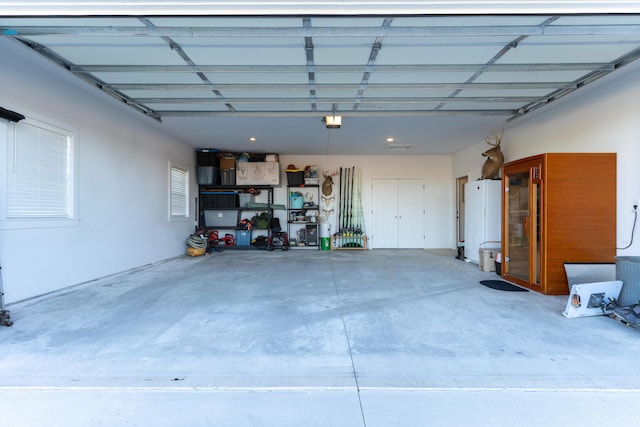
(435, 170)
(603, 118)
(122, 184)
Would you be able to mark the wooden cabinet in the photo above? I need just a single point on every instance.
(557, 208)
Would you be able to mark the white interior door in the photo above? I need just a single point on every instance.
(411, 213)
(398, 213)
(385, 213)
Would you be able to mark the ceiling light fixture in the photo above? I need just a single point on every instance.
(252, 139)
(390, 139)
(333, 122)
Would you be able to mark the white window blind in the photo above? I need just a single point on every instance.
(178, 192)
(40, 182)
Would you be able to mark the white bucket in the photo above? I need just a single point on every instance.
(325, 229)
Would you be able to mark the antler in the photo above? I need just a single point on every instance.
(494, 137)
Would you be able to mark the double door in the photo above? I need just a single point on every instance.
(398, 213)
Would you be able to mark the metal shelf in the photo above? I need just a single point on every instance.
(311, 228)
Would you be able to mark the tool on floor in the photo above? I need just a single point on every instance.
(5, 316)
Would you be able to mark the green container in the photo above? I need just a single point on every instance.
(325, 243)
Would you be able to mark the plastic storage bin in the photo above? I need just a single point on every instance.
(228, 176)
(295, 178)
(243, 237)
(296, 201)
(246, 198)
(208, 175)
(221, 218)
(219, 200)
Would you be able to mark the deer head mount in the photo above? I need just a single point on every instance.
(495, 159)
(327, 184)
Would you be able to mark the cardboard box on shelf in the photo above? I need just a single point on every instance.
(228, 163)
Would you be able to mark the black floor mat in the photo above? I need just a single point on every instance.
(501, 285)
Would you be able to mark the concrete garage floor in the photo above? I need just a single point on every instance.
(312, 338)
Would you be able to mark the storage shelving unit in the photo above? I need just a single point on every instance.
(302, 222)
(220, 209)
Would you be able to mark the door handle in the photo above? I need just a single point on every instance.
(526, 225)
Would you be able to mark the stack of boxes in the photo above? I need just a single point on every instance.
(228, 170)
(207, 167)
(216, 168)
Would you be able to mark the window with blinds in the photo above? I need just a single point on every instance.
(178, 192)
(40, 171)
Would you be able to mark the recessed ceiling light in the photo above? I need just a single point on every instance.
(390, 139)
(253, 139)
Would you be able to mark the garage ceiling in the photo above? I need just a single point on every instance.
(436, 84)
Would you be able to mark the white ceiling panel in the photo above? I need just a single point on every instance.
(390, 43)
(422, 77)
(480, 106)
(273, 107)
(342, 55)
(597, 20)
(407, 93)
(246, 55)
(342, 22)
(225, 22)
(424, 106)
(245, 42)
(339, 94)
(150, 78)
(567, 50)
(199, 107)
(466, 21)
(256, 77)
(76, 21)
(488, 93)
(563, 77)
(265, 94)
(112, 50)
(337, 77)
(169, 94)
(436, 55)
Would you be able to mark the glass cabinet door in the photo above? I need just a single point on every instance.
(523, 226)
(518, 225)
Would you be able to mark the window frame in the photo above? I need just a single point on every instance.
(178, 217)
(7, 137)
